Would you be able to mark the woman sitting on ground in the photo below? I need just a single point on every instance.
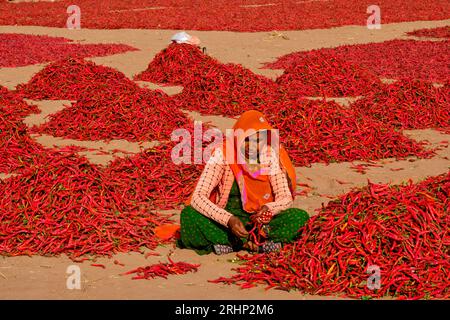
(234, 197)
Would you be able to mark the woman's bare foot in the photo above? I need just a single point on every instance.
(251, 246)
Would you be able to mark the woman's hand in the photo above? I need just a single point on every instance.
(263, 216)
(237, 227)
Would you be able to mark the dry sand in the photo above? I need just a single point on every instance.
(45, 277)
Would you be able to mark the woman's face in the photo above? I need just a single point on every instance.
(253, 144)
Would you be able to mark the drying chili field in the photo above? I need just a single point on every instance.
(86, 117)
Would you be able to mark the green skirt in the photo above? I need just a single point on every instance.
(200, 233)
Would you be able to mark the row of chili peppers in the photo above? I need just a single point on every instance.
(403, 230)
(236, 15)
(17, 50)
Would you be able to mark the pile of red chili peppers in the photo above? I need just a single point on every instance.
(109, 105)
(130, 114)
(318, 131)
(163, 270)
(17, 148)
(394, 59)
(210, 87)
(57, 202)
(176, 65)
(408, 104)
(17, 50)
(74, 78)
(229, 90)
(64, 204)
(318, 74)
(403, 230)
(151, 178)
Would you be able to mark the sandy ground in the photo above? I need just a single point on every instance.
(45, 277)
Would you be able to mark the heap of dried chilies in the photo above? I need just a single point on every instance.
(318, 131)
(176, 65)
(403, 230)
(210, 87)
(63, 204)
(408, 104)
(151, 176)
(74, 78)
(17, 50)
(394, 59)
(229, 90)
(130, 114)
(17, 149)
(318, 74)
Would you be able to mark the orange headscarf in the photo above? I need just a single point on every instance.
(254, 186)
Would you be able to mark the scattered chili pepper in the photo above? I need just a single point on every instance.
(163, 270)
(343, 182)
(148, 254)
(119, 263)
(442, 32)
